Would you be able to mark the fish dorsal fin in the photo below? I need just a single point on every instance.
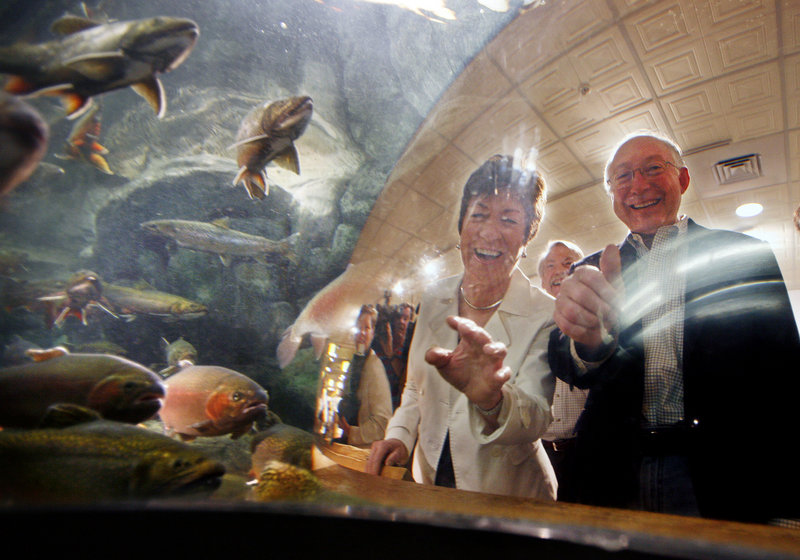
(69, 24)
(248, 140)
(153, 92)
(42, 355)
(98, 66)
(224, 222)
(63, 415)
(288, 159)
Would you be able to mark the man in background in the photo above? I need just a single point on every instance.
(559, 439)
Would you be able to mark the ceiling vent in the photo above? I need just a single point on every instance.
(742, 168)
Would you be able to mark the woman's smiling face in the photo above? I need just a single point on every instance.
(493, 235)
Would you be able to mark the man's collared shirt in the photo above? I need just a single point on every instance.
(660, 305)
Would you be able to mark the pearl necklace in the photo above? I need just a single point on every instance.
(477, 307)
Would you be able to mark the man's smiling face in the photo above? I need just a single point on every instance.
(647, 203)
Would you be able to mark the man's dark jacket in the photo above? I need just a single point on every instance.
(741, 357)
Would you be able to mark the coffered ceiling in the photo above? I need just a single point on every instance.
(564, 82)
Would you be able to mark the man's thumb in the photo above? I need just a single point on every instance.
(611, 265)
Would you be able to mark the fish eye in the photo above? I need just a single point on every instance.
(236, 396)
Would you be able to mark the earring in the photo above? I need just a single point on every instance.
(524, 252)
(458, 245)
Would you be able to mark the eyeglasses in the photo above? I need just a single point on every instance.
(624, 179)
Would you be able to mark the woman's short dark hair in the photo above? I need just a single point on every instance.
(498, 174)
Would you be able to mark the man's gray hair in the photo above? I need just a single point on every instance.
(670, 144)
(552, 245)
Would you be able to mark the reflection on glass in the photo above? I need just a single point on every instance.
(409, 97)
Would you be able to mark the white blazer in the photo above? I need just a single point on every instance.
(510, 460)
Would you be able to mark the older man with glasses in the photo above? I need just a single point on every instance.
(686, 338)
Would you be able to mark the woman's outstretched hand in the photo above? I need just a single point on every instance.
(475, 366)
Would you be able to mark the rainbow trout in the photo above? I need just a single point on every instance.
(117, 388)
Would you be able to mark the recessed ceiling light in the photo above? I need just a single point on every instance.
(750, 209)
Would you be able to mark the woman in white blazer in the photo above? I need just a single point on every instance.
(473, 415)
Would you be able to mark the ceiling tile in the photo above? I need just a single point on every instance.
(754, 86)
(757, 121)
(678, 68)
(693, 104)
(790, 25)
(715, 15)
(663, 27)
(471, 92)
(444, 178)
(506, 126)
(737, 46)
(605, 54)
(561, 169)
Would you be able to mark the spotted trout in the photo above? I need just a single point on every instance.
(267, 134)
(217, 238)
(117, 388)
(100, 460)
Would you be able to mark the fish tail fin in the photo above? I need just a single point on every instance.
(100, 163)
(287, 347)
(255, 183)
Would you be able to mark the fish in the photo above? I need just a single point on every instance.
(179, 351)
(80, 459)
(179, 354)
(128, 302)
(83, 142)
(217, 238)
(92, 58)
(281, 442)
(211, 401)
(117, 388)
(83, 290)
(24, 136)
(267, 134)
